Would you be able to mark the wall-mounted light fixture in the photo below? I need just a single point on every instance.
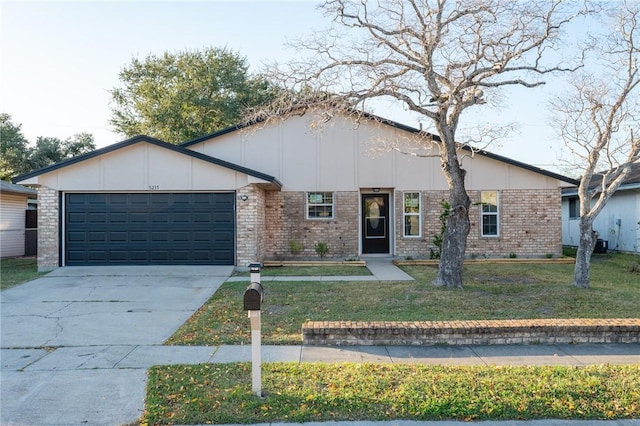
(244, 197)
(375, 189)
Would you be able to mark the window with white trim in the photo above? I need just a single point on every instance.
(489, 213)
(320, 205)
(412, 214)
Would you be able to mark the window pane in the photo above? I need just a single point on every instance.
(489, 200)
(320, 211)
(412, 202)
(320, 198)
(574, 208)
(489, 225)
(489, 208)
(320, 205)
(412, 214)
(412, 225)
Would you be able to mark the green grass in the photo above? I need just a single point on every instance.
(221, 393)
(14, 271)
(504, 291)
(310, 271)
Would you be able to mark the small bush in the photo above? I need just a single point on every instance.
(295, 247)
(549, 255)
(322, 249)
(438, 239)
(512, 255)
(634, 268)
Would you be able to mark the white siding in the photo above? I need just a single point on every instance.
(570, 227)
(12, 217)
(345, 156)
(618, 223)
(143, 167)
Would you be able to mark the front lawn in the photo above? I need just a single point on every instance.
(14, 271)
(221, 393)
(504, 291)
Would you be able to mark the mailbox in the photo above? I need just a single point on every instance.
(253, 297)
(255, 267)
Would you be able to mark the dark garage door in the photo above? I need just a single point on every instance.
(149, 229)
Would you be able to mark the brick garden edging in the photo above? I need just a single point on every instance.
(483, 332)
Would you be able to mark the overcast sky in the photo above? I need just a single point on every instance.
(60, 59)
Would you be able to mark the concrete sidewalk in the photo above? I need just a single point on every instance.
(131, 357)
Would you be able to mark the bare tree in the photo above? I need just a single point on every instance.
(599, 122)
(437, 58)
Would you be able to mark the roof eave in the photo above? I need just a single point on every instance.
(573, 192)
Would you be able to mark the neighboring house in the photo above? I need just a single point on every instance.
(619, 221)
(249, 194)
(14, 201)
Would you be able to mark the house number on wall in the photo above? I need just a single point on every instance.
(152, 187)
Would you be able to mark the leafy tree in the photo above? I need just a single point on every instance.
(599, 121)
(181, 96)
(436, 59)
(49, 150)
(18, 156)
(14, 149)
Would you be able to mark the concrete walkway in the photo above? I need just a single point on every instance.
(381, 268)
(121, 357)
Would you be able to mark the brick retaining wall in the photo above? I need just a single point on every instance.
(486, 332)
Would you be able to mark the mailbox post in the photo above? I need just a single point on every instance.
(253, 298)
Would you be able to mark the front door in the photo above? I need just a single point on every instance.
(375, 223)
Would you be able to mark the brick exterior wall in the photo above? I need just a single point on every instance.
(530, 225)
(267, 222)
(277, 238)
(251, 238)
(286, 221)
(48, 229)
(419, 247)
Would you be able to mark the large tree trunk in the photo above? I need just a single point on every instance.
(454, 242)
(587, 243)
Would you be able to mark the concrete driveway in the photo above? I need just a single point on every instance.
(64, 338)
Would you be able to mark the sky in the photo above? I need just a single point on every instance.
(59, 60)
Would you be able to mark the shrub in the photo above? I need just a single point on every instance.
(322, 249)
(295, 247)
(439, 238)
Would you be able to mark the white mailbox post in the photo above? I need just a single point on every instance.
(253, 298)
